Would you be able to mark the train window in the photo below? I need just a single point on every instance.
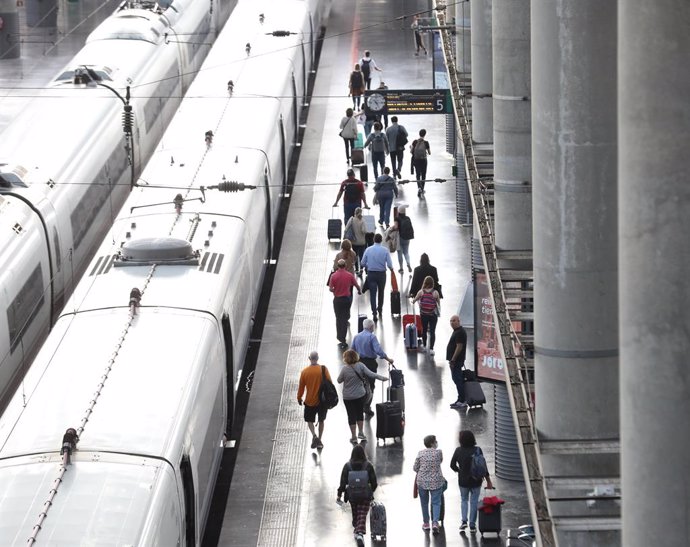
(10, 180)
(25, 306)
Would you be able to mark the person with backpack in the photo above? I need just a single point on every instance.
(406, 233)
(430, 482)
(420, 149)
(386, 190)
(469, 463)
(356, 85)
(428, 299)
(358, 484)
(348, 131)
(378, 145)
(310, 380)
(368, 65)
(354, 194)
(397, 139)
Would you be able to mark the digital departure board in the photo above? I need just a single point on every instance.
(409, 101)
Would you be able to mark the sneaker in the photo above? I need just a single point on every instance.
(463, 526)
(314, 441)
(458, 404)
(353, 440)
(319, 444)
(368, 412)
(342, 345)
(426, 527)
(360, 540)
(381, 223)
(435, 528)
(362, 436)
(473, 530)
(401, 270)
(432, 352)
(419, 193)
(409, 268)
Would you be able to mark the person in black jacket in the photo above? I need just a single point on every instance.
(469, 486)
(420, 272)
(360, 506)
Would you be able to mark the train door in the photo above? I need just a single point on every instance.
(230, 374)
(283, 154)
(305, 73)
(268, 216)
(295, 109)
(189, 505)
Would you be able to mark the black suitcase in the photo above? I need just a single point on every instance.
(395, 302)
(489, 522)
(377, 521)
(335, 227)
(474, 394)
(364, 172)
(390, 420)
(357, 156)
(360, 322)
(397, 394)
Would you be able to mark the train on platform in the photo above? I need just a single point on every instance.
(67, 166)
(116, 433)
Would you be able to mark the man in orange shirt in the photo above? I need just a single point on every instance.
(310, 379)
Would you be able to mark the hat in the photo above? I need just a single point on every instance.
(350, 172)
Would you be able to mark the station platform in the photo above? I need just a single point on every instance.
(282, 493)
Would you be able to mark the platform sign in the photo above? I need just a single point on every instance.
(409, 101)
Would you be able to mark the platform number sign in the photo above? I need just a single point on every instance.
(409, 101)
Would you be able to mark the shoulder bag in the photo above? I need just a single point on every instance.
(368, 395)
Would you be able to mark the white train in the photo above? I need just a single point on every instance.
(151, 392)
(64, 166)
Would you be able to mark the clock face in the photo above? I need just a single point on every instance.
(376, 102)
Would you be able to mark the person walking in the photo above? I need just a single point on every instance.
(406, 232)
(455, 354)
(420, 149)
(356, 228)
(353, 376)
(428, 299)
(430, 482)
(421, 272)
(354, 195)
(359, 497)
(348, 255)
(470, 487)
(356, 85)
(310, 380)
(368, 64)
(386, 190)
(418, 38)
(397, 139)
(367, 346)
(378, 144)
(341, 284)
(375, 260)
(348, 132)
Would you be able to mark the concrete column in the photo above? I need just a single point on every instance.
(9, 30)
(482, 77)
(654, 205)
(463, 42)
(512, 124)
(575, 230)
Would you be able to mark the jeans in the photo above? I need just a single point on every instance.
(349, 211)
(459, 380)
(367, 127)
(349, 145)
(471, 495)
(378, 158)
(341, 307)
(397, 161)
(385, 205)
(420, 167)
(429, 327)
(435, 504)
(377, 283)
(404, 250)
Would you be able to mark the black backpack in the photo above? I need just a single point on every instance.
(356, 80)
(406, 229)
(358, 488)
(328, 395)
(366, 69)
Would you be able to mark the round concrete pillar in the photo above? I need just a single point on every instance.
(9, 30)
(482, 78)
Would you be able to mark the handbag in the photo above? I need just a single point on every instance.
(437, 309)
(349, 231)
(328, 281)
(415, 490)
(368, 395)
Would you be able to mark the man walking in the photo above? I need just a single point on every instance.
(420, 150)
(310, 379)
(397, 139)
(455, 354)
(375, 260)
(354, 195)
(378, 144)
(367, 345)
(340, 285)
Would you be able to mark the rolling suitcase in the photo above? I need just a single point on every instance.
(395, 296)
(369, 223)
(390, 420)
(377, 521)
(489, 522)
(397, 394)
(360, 318)
(357, 156)
(474, 394)
(364, 172)
(410, 336)
(335, 227)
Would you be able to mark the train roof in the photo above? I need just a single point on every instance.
(159, 365)
(126, 485)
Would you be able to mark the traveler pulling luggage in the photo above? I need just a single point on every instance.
(335, 227)
(390, 419)
(377, 521)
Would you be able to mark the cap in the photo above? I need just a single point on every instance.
(350, 172)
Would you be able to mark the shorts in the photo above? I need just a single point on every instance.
(310, 413)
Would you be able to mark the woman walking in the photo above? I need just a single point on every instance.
(470, 487)
(348, 131)
(356, 84)
(386, 190)
(428, 299)
(358, 228)
(354, 375)
(359, 497)
(348, 255)
(430, 481)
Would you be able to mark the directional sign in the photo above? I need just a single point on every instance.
(409, 101)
